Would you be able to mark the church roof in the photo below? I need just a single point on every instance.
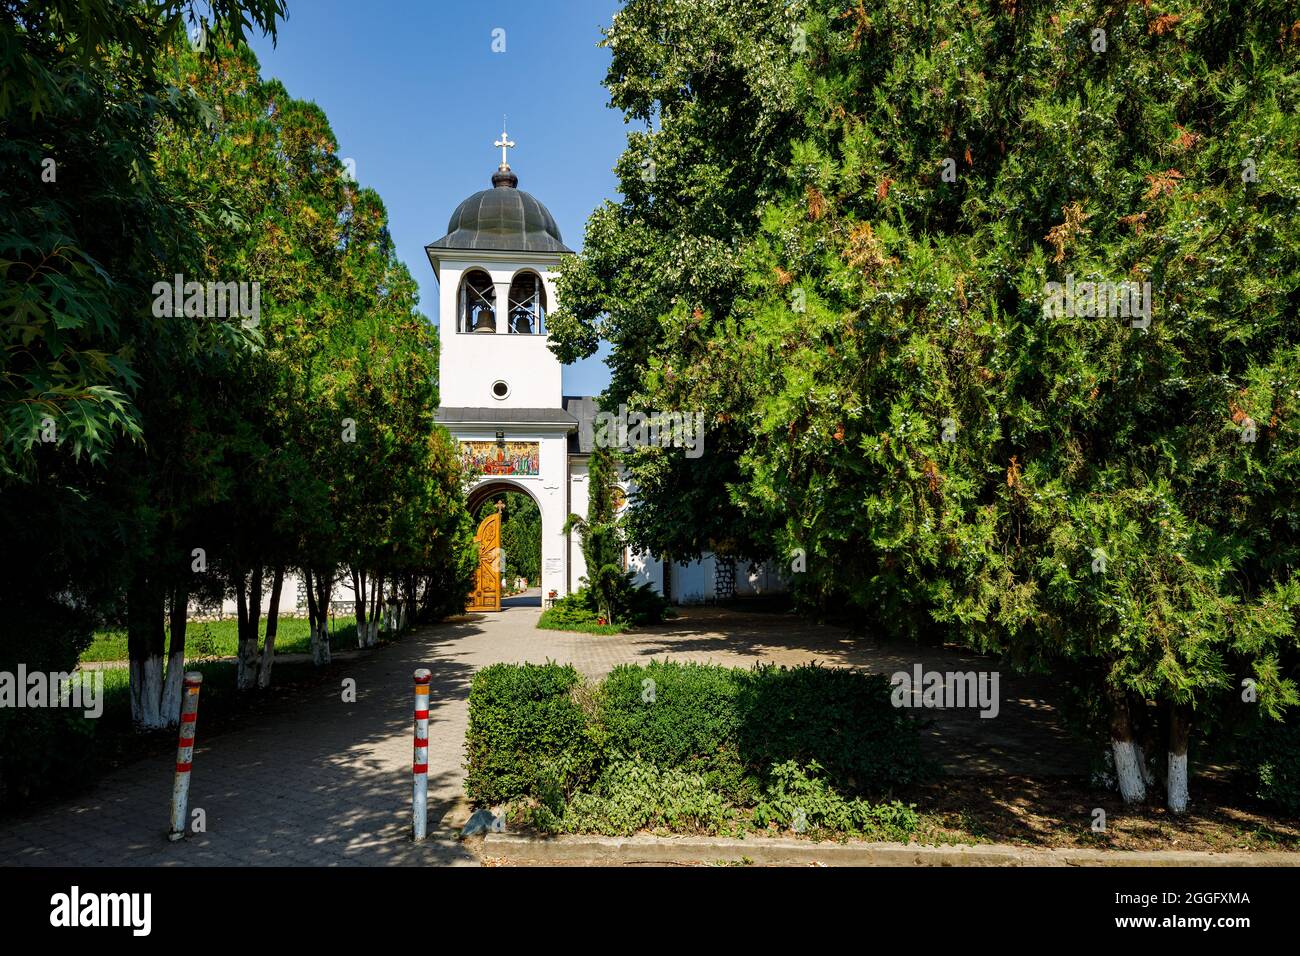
(579, 410)
(504, 219)
(584, 409)
(504, 416)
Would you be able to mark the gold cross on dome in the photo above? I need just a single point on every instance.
(504, 143)
(501, 506)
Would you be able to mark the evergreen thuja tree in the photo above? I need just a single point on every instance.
(1106, 495)
(600, 535)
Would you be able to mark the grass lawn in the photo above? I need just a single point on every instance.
(218, 639)
(563, 617)
(581, 628)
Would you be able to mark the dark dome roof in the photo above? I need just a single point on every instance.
(502, 218)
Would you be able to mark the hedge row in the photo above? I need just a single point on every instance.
(538, 729)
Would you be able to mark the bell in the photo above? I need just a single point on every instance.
(484, 321)
(523, 323)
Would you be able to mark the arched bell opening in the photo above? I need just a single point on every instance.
(478, 298)
(527, 304)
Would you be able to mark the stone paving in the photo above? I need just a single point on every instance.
(317, 781)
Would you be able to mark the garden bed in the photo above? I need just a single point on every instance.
(804, 753)
(692, 748)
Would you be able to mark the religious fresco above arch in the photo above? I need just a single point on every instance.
(502, 458)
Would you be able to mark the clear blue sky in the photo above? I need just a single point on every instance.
(415, 96)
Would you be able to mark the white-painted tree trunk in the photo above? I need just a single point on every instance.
(171, 695)
(320, 645)
(1128, 771)
(272, 629)
(1180, 730)
(1177, 783)
(1144, 765)
(246, 671)
(1124, 748)
(146, 692)
(264, 667)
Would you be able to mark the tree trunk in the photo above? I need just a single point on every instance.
(272, 625)
(310, 587)
(319, 586)
(376, 605)
(325, 584)
(145, 612)
(1180, 729)
(171, 699)
(1127, 760)
(359, 604)
(408, 615)
(250, 616)
(1144, 737)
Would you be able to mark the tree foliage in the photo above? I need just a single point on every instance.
(1109, 499)
(149, 455)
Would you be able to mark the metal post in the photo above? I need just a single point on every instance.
(420, 768)
(185, 754)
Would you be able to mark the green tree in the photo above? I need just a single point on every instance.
(601, 537)
(88, 366)
(1096, 495)
(331, 451)
(712, 84)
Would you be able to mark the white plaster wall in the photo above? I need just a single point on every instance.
(578, 486)
(470, 362)
(693, 582)
(288, 597)
(767, 579)
(647, 569)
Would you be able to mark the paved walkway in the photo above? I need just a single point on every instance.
(316, 781)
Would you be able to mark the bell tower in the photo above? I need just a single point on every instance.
(500, 386)
(496, 280)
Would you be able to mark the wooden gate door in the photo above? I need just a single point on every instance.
(486, 595)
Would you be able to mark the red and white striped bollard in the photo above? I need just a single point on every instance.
(185, 754)
(420, 766)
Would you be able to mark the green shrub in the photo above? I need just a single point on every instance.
(528, 734)
(841, 719)
(672, 714)
(43, 751)
(729, 722)
(642, 604)
(574, 612)
(685, 745)
(634, 605)
(800, 799)
(1271, 757)
(634, 795)
(679, 715)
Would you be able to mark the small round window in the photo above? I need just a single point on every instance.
(500, 390)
